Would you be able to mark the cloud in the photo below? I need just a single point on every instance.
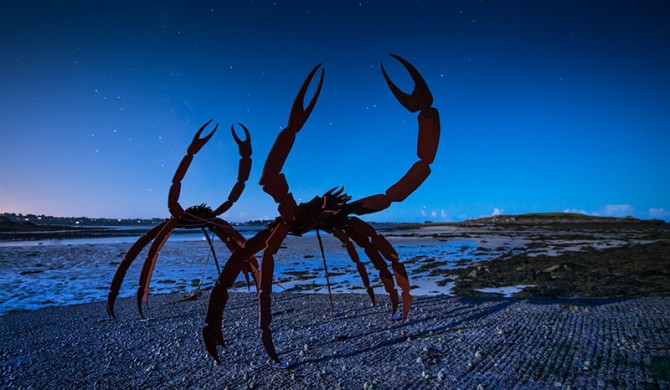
(618, 210)
(433, 214)
(497, 211)
(575, 211)
(659, 213)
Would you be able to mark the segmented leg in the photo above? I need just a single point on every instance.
(212, 333)
(211, 248)
(381, 244)
(150, 262)
(344, 238)
(358, 233)
(386, 249)
(128, 259)
(175, 189)
(244, 167)
(264, 300)
(233, 241)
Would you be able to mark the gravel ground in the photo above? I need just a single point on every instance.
(448, 342)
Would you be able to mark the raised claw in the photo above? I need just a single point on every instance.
(420, 98)
(299, 115)
(198, 142)
(330, 191)
(244, 146)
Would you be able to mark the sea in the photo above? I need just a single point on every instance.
(36, 274)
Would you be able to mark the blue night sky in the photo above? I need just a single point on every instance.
(545, 105)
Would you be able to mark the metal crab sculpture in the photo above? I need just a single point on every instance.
(200, 216)
(331, 212)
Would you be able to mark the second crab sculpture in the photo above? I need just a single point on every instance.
(332, 212)
(200, 217)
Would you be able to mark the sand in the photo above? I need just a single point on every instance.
(448, 342)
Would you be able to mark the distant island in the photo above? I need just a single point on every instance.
(555, 217)
(28, 220)
(32, 222)
(29, 227)
(34, 227)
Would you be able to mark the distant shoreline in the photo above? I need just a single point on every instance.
(15, 227)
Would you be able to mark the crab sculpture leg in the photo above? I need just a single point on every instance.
(212, 332)
(184, 218)
(360, 267)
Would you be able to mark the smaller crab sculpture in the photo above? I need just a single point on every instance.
(200, 217)
(330, 212)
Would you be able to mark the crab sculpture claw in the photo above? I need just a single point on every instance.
(244, 146)
(199, 142)
(299, 114)
(420, 98)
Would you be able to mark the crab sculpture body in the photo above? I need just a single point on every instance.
(200, 217)
(332, 212)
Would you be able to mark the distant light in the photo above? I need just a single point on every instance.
(76, 223)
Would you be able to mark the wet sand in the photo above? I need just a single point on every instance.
(439, 260)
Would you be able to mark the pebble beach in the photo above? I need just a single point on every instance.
(448, 342)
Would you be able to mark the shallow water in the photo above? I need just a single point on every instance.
(36, 274)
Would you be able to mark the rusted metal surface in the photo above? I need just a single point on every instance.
(331, 213)
(201, 217)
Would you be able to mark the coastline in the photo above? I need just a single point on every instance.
(621, 259)
(448, 342)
